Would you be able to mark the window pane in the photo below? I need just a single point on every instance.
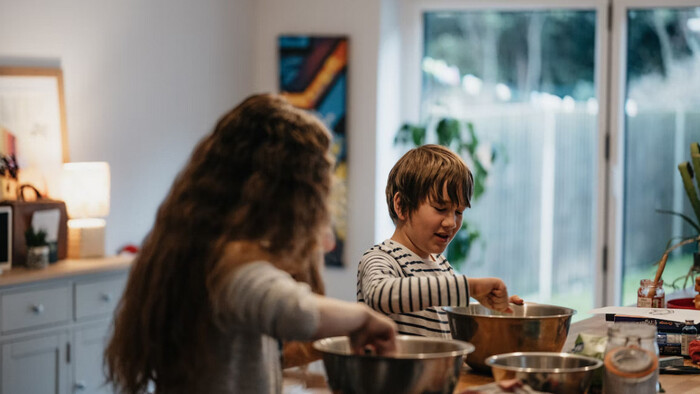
(662, 118)
(530, 96)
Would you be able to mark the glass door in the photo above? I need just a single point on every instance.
(526, 79)
(657, 101)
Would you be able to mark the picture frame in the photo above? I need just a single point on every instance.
(313, 74)
(5, 238)
(33, 113)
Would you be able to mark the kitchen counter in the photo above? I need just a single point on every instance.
(596, 325)
(64, 269)
(307, 381)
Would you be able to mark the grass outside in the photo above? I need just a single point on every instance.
(582, 301)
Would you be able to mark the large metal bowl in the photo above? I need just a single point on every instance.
(549, 372)
(420, 365)
(530, 328)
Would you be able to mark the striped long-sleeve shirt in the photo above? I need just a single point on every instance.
(397, 282)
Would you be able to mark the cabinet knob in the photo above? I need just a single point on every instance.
(106, 297)
(38, 308)
(80, 385)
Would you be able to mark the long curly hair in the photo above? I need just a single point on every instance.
(262, 176)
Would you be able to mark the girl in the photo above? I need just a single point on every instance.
(211, 294)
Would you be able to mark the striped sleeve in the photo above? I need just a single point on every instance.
(381, 286)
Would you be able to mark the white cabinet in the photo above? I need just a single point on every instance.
(37, 365)
(35, 308)
(89, 344)
(53, 330)
(97, 298)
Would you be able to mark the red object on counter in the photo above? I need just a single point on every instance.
(129, 249)
(694, 351)
(681, 303)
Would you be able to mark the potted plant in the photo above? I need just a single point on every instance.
(37, 248)
(688, 171)
(460, 137)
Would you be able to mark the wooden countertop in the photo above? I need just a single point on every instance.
(65, 268)
(595, 325)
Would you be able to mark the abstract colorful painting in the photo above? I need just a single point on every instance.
(313, 76)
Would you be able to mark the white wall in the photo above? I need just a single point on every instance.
(359, 20)
(144, 81)
(389, 116)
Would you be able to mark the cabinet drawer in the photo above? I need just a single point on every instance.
(98, 298)
(35, 308)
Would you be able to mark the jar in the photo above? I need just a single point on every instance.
(689, 333)
(631, 359)
(643, 299)
(38, 257)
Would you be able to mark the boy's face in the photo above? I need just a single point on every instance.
(431, 227)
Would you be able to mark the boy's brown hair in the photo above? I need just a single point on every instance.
(422, 173)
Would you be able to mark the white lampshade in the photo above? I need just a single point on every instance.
(85, 189)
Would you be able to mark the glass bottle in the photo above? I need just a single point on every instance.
(631, 359)
(688, 334)
(643, 299)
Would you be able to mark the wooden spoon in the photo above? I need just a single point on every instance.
(659, 272)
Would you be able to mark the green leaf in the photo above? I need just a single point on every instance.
(684, 217)
(686, 171)
(695, 158)
(35, 238)
(447, 131)
(472, 133)
(418, 135)
(410, 133)
(461, 245)
(479, 189)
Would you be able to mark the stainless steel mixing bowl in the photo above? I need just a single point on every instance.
(530, 328)
(420, 365)
(549, 372)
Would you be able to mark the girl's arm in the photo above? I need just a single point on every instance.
(364, 326)
(266, 300)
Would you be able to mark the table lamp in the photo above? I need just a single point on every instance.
(85, 190)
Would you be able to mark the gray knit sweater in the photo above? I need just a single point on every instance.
(266, 305)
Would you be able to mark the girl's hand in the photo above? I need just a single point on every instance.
(377, 334)
(366, 328)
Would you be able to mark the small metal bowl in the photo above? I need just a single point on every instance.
(420, 365)
(548, 372)
(530, 328)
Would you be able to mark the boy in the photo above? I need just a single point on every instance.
(407, 277)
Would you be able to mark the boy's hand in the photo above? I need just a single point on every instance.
(491, 293)
(514, 299)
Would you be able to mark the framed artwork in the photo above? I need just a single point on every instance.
(5, 238)
(313, 76)
(33, 117)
